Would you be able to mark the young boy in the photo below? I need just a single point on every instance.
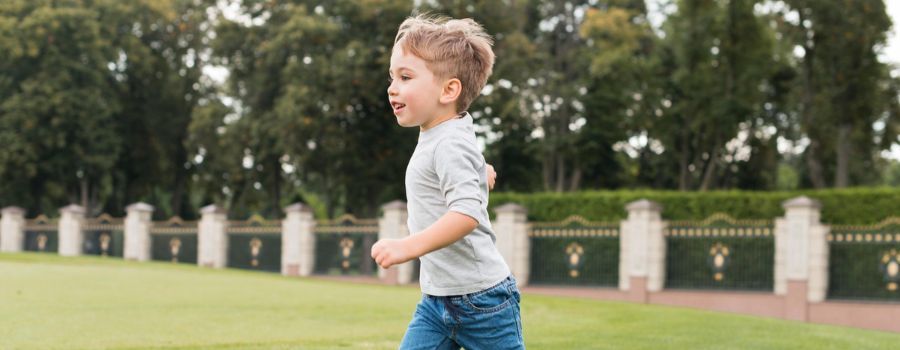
(438, 67)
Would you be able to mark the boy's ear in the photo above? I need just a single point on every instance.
(450, 91)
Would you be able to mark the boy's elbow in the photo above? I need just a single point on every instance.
(467, 222)
(471, 223)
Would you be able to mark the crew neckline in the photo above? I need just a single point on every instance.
(461, 117)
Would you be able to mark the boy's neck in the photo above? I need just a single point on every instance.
(445, 116)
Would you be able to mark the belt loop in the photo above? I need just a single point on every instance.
(453, 310)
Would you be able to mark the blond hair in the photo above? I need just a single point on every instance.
(451, 48)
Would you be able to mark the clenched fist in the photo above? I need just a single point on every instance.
(491, 176)
(389, 252)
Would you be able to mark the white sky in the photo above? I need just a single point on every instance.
(892, 51)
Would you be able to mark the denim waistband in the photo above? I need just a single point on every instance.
(456, 297)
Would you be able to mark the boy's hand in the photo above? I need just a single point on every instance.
(388, 252)
(491, 176)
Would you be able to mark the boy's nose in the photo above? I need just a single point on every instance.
(391, 90)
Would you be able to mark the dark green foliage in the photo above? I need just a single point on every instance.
(104, 103)
(839, 206)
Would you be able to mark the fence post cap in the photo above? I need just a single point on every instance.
(802, 202)
(643, 204)
(139, 206)
(394, 205)
(212, 209)
(12, 210)
(73, 209)
(510, 208)
(298, 208)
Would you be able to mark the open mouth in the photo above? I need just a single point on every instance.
(397, 106)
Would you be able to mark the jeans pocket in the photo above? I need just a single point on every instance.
(514, 291)
(488, 301)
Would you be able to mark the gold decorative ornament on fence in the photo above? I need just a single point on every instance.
(890, 268)
(105, 240)
(347, 224)
(718, 260)
(719, 225)
(255, 246)
(574, 252)
(346, 245)
(42, 242)
(174, 248)
(574, 226)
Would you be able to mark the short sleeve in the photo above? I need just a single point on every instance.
(457, 164)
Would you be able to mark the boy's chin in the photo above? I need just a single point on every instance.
(406, 123)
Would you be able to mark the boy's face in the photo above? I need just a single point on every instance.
(414, 92)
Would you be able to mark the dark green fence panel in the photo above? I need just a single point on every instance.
(575, 252)
(41, 235)
(864, 262)
(104, 236)
(343, 247)
(255, 245)
(720, 253)
(174, 241)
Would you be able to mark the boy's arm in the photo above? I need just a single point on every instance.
(457, 166)
(449, 228)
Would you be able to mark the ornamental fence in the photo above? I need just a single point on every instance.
(864, 261)
(343, 246)
(41, 235)
(174, 240)
(642, 258)
(576, 252)
(720, 253)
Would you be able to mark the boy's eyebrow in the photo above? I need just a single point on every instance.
(400, 69)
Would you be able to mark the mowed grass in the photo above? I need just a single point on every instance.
(49, 302)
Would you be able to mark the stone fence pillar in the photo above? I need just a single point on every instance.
(12, 230)
(71, 237)
(801, 257)
(392, 224)
(212, 241)
(298, 241)
(642, 250)
(511, 228)
(137, 231)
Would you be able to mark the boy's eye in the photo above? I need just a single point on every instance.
(402, 77)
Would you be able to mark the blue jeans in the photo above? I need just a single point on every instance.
(488, 319)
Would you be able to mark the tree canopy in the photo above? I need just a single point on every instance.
(105, 102)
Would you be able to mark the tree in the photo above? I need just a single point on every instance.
(57, 99)
(309, 79)
(719, 55)
(623, 98)
(839, 94)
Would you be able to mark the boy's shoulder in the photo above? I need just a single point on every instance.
(458, 140)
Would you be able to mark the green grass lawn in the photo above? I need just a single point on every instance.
(48, 302)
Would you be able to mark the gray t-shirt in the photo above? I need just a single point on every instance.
(447, 172)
